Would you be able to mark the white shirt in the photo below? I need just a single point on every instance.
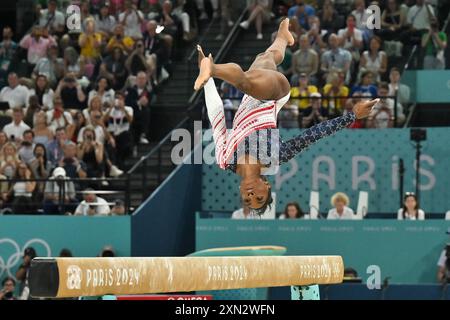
(348, 214)
(47, 98)
(239, 214)
(16, 131)
(117, 122)
(390, 104)
(108, 96)
(56, 123)
(55, 21)
(17, 97)
(418, 17)
(132, 25)
(361, 18)
(348, 42)
(101, 208)
(421, 215)
(99, 135)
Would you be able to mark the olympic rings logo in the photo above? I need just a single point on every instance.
(74, 277)
(14, 259)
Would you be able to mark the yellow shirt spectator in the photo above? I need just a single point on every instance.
(297, 92)
(334, 105)
(124, 43)
(90, 45)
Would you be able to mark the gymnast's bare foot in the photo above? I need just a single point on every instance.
(201, 55)
(283, 32)
(206, 69)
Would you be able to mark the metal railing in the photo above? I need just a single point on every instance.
(186, 123)
(67, 195)
(327, 101)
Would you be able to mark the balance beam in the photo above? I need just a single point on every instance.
(75, 277)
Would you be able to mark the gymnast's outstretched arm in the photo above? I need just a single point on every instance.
(294, 146)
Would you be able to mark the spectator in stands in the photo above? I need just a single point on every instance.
(434, 43)
(90, 43)
(74, 167)
(393, 20)
(71, 93)
(97, 124)
(315, 113)
(366, 87)
(37, 43)
(9, 160)
(43, 91)
(383, 114)
(32, 110)
(113, 68)
(3, 139)
(341, 211)
(42, 133)
(72, 62)
(26, 147)
(51, 66)
(104, 92)
(65, 253)
(300, 13)
(155, 50)
(137, 62)
(119, 40)
(55, 152)
(8, 289)
(58, 117)
(15, 94)
(59, 194)
(79, 122)
(17, 127)
(118, 209)
(91, 152)
(374, 59)
(443, 273)
(22, 190)
(107, 252)
(335, 88)
(302, 92)
(351, 38)
(419, 20)
(336, 59)
(92, 205)
(172, 25)
(316, 35)
(105, 22)
(40, 168)
(139, 98)
(119, 119)
(305, 60)
(411, 209)
(23, 272)
(292, 211)
(52, 19)
(131, 19)
(259, 13)
(8, 48)
(330, 19)
(400, 90)
(85, 12)
(95, 104)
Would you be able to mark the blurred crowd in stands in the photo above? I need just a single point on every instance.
(76, 103)
(339, 58)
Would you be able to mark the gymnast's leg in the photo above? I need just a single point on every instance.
(261, 81)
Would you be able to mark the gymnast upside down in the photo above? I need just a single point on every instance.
(266, 92)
